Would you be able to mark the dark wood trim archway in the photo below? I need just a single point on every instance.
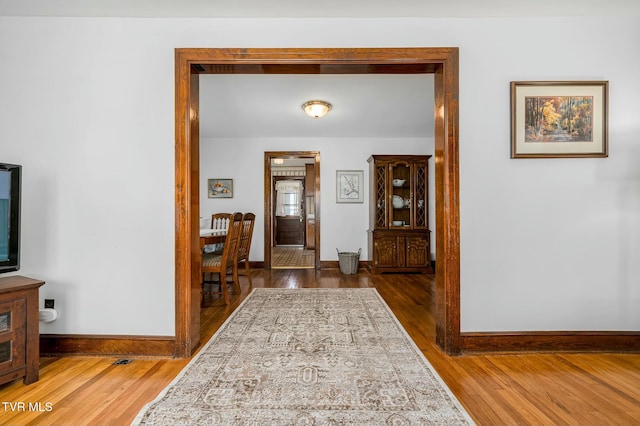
(442, 62)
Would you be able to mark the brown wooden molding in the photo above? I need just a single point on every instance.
(552, 341)
(441, 61)
(334, 264)
(106, 345)
(330, 264)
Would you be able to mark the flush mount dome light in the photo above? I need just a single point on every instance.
(316, 109)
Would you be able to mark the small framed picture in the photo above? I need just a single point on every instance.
(220, 188)
(349, 186)
(559, 119)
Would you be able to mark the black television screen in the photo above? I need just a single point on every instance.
(9, 217)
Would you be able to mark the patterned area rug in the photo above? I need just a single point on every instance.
(308, 357)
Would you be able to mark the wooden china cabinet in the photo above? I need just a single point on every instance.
(399, 235)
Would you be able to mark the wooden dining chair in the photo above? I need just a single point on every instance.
(219, 221)
(222, 263)
(244, 246)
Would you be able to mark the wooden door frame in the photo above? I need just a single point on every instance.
(268, 200)
(190, 62)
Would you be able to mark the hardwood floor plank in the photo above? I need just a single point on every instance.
(141, 390)
(497, 389)
(57, 380)
(623, 384)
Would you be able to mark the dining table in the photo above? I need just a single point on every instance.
(212, 236)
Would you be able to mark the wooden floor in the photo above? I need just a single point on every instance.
(530, 389)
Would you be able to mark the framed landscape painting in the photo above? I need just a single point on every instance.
(559, 119)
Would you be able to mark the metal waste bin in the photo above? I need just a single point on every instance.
(348, 261)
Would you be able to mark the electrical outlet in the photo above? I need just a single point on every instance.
(49, 303)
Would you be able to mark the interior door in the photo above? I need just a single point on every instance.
(289, 214)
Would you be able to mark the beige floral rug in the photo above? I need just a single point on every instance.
(308, 357)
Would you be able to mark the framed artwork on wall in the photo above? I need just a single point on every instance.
(349, 186)
(552, 119)
(220, 188)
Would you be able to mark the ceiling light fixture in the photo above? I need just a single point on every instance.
(316, 109)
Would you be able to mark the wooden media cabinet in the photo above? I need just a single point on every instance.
(19, 329)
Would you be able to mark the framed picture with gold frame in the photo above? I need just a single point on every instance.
(559, 119)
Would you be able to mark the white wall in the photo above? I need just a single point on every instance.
(86, 107)
(343, 226)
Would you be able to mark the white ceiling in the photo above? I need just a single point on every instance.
(364, 105)
(320, 9)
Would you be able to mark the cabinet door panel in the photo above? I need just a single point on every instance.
(12, 337)
(384, 252)
(420, 200)
(417, 251)
(380, 196)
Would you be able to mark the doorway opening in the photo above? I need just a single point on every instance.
(292, 210)
(191, 62)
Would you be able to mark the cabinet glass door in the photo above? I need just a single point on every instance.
(401, 195)
(420, 197)
(380, 181)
